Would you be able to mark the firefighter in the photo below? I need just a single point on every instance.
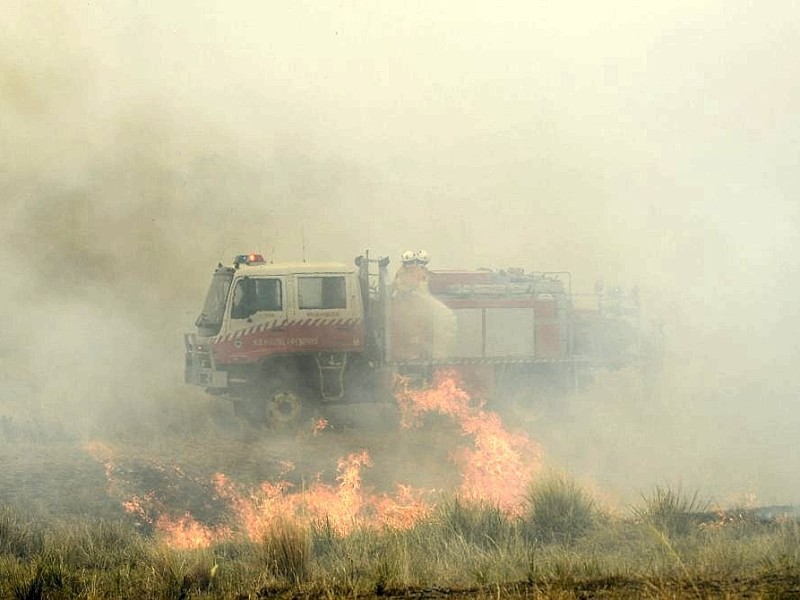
(412, 276)
(422, 259)
(411, 310)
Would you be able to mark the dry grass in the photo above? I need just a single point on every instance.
(286, 552)
(558, 510)
(474, 549)
(672, 512)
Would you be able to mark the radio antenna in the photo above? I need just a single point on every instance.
(303, 238)
(226, 222)
(272, 250)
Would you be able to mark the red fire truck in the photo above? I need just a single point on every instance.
(280, 337)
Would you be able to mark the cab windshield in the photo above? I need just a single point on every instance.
(210, 320)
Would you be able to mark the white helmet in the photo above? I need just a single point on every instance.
(408, 257)
(422, 257)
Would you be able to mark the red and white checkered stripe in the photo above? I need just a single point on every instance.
(286, 323)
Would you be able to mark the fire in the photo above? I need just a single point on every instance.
(445, 397)
(140, 506)
(495, 467)
(402, 511)
(185, 533)
(342, 506)
(104, 454)
(500, 465)
(319, 426)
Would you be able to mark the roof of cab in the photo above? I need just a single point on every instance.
(302, 268)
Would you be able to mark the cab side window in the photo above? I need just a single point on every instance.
(321, 292)
(268, 294)
(254, 295)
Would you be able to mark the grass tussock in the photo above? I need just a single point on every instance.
(480, 524)
(558, 510)
(672, 512)
(286, 551)
(562, 545)
(18, 536)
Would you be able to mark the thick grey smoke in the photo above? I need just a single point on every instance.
(639, 145)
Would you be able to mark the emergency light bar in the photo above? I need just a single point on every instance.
(248, 259)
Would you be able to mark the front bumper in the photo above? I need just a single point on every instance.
(199, 368)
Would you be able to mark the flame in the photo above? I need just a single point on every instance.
(186, 533)
(341, 507)
(103, 453)
(140, 506)
(402, 511)
(181, 533)
(500, 465)
(495, 467)
(319, 426)
(445, 397)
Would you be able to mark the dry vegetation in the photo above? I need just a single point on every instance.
(562, 546)
(63, 533)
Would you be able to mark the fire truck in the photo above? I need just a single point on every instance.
(282, 338)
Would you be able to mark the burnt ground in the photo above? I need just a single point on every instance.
(52, 471)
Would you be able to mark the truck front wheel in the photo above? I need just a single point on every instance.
(284, 407)
(280, 407)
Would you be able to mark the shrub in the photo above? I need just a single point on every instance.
(671, 512)
(557, 510)
(483, 525)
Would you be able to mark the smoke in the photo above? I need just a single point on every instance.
(639, 145)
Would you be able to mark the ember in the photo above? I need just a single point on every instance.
(319, 426)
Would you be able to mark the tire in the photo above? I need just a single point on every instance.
(280, 395)
(283, 407)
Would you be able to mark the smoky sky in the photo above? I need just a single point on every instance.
(142, 142)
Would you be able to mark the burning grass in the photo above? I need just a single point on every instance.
(499, 525)
(494, 465)
(474, 549)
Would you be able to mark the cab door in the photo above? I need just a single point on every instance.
(256, 320)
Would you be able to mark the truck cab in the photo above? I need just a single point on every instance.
(262, 323)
